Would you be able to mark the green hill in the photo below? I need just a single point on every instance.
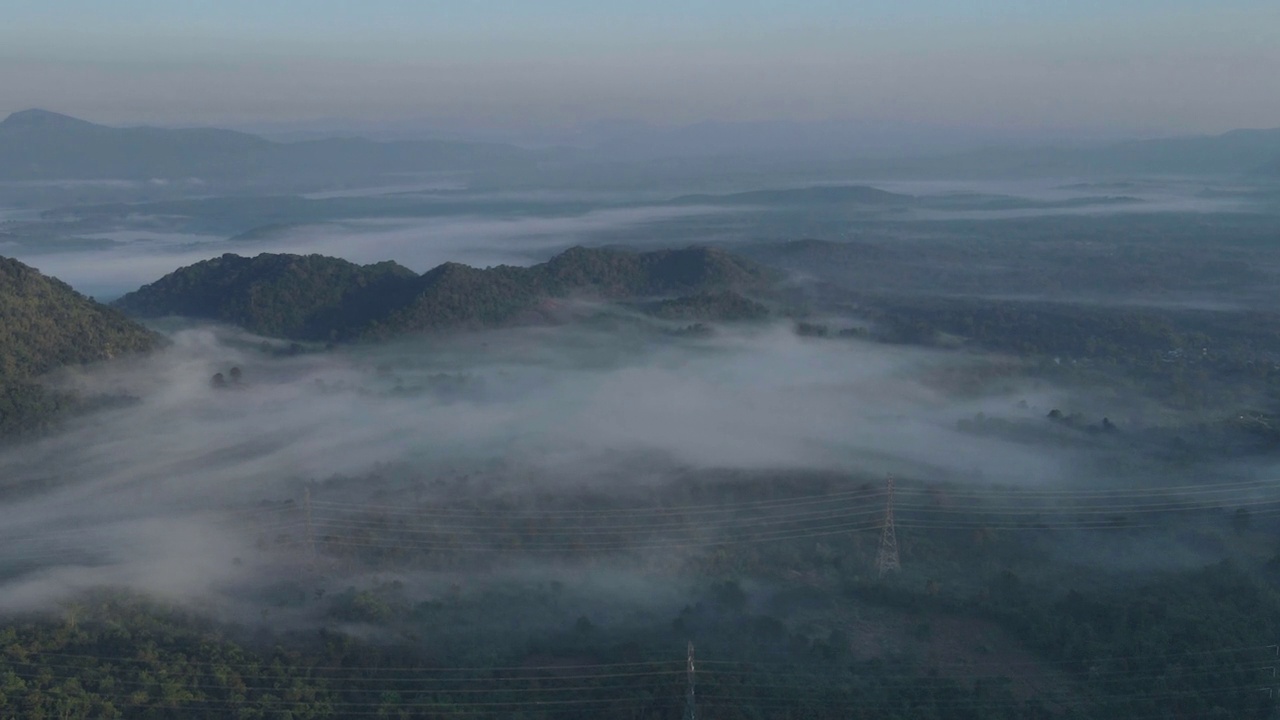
(44, 325)
(293, 296)
(322, 299)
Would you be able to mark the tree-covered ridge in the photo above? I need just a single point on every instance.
(296, 296)
(44, 325)
(322, 298)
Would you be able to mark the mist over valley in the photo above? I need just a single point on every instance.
(740, 418)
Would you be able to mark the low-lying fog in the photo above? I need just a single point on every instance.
(161, 494)
(148, 495)
(1073, 196)
(422, 226)
(137, 257)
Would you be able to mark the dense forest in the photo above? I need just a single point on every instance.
(1194, 359)
(317, 298)
(48, 325)
(45, 325)
(977, 625)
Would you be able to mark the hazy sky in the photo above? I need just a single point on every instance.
(1150, 66)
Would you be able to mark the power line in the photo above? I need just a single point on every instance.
(822, 498)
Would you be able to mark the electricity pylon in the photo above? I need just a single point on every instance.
(689, 710)
(887, 557)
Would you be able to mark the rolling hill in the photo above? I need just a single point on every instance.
(44, 325)
(319, 298)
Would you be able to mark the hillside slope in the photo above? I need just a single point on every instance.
(294, 296)
(44, 325)
(320, 298)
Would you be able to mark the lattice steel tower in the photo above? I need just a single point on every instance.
(887, 557)
(689, 710)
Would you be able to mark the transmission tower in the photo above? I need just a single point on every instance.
(310, 531)
(689, 711)
(887, 557)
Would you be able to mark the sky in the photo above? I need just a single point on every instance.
(1142, 67)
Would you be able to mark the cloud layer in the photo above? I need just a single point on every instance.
(160, 495)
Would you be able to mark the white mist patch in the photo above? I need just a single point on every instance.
(152, 237)
(152, 489)
(422, 244)
(142, 256)
(182, 559)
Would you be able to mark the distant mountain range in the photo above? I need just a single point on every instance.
(43, 145)
(844, 195)
(872, 150)
(318, 298)
(1232, 153)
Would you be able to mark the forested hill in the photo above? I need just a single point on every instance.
(44, 325)
(320, 298)
(295, 296)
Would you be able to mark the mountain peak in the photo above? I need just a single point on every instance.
(41, 119)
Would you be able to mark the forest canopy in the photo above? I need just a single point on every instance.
(318, 298)
(45, 325)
